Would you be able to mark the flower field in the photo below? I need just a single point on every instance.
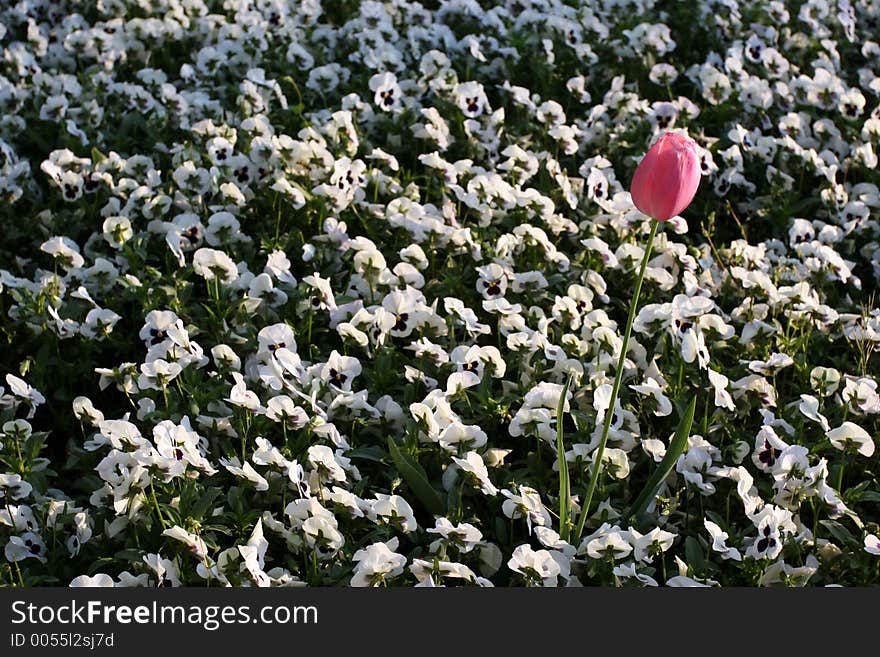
(336, 293)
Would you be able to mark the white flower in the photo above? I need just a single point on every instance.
(156, 375)
(27, 546)
(851, 436)
(825, 380)
(683, 581)
(424, 570)
(239, 395)
(537, 566)
(246, 472)
(528, 505)
(718, 542)
(98, 580)
(65, 251)
(117, 231)
(180, 446)
(774, 525)
(341, 371)
(471, 99)
(224, 356)
(651, 387)
(772, 365)
(165, 570)
(809, 406)
(86, 411)
(456, 435)
(608, 545)
(464, 536)
(394, 510)
(12, 486)
(211, 264)
(20, 518)
(267, 454)
(323, 461)
(473, 465)
(253, 553)
(628, 571)
(719, 384)
(282, 408)
(195, 543)
(655, 542)
(377, 563)
(781, 573)
(25, 392)
(387, 94)
(434, 128)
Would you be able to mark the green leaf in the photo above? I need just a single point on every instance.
(693, 551)
(206, 502)
(416, 478)
(564, 482)
(453, 498)
(130, 555)
(838, 531)
(234, 498)
(372, 453)
(99, 564)
(219, 529)
(676, 448)
(717, 519)
(501, 531)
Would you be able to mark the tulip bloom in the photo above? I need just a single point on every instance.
(666, 179)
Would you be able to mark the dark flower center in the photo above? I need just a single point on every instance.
(400, 325)
(337, 378)
(768, 453)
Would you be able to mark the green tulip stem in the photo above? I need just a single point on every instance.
(609, 413)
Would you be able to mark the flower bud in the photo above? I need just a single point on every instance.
(666, 179)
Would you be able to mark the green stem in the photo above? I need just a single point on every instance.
(20, 458)
(156, 504)
(609, 413)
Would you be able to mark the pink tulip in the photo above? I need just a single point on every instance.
(666, 179)
(664, 184)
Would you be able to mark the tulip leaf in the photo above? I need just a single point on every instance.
(676, 448)
(564, 482)
(416, 478)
